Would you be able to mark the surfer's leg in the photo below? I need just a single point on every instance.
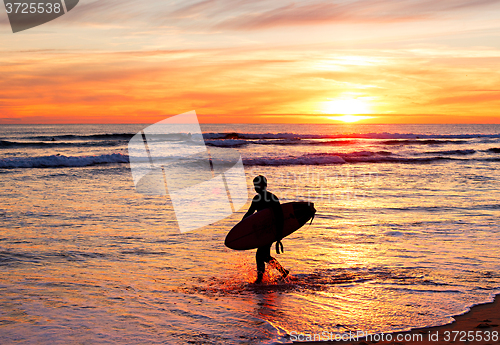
(273, 262)
(261, 258)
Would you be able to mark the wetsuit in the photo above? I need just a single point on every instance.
(260, 202)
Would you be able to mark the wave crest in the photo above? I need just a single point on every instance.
(61, 161)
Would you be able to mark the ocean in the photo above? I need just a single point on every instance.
(406, 235)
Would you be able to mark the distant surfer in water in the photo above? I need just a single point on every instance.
(261, 201)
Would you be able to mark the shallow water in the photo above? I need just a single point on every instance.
(406, 235)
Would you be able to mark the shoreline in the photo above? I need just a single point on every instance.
(476, 324)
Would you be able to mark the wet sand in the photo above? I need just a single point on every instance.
(481, 323)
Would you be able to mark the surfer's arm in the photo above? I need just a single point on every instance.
(251, 210)
(278, 213)
(280, 220)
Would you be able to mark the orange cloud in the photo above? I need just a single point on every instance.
(245, 85)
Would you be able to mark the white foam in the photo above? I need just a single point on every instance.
(61, 161)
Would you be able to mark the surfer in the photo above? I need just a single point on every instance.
(261, 201)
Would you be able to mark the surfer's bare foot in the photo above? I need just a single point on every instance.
(259, 278)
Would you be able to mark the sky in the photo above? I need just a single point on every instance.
(242, 61)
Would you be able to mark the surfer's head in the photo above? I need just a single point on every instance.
(260, 183)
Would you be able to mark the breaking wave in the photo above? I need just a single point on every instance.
(61, 161)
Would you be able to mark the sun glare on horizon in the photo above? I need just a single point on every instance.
(348, 109)
(349, 118)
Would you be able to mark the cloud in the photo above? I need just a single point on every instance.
(237, 84)
(194, 10)
(474, 98)
(363, 11)
(309, 14)
(141, 86)
(216, 15)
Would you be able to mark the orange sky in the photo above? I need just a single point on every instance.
(256, 62)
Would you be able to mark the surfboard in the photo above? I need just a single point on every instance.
(259, 229)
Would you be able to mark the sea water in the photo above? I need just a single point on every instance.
(406, 235)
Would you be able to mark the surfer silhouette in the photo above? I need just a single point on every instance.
(261, 201)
